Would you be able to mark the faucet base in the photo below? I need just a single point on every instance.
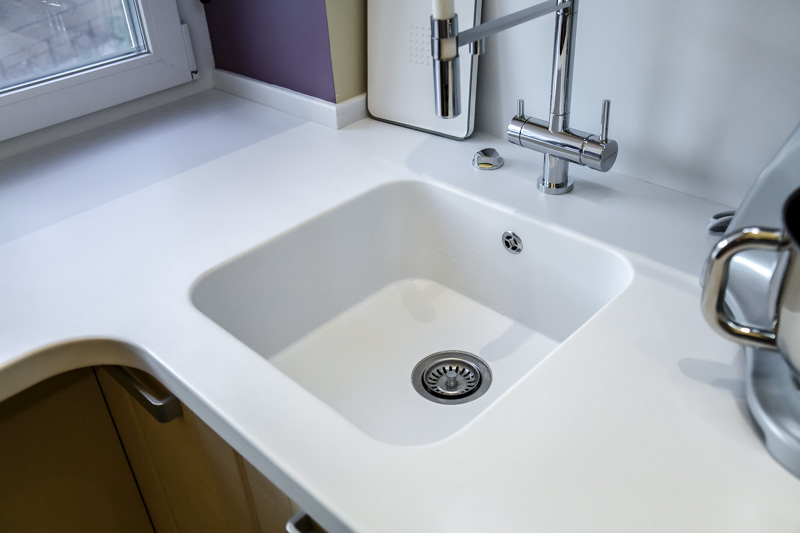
(555, 175)
(553, 188)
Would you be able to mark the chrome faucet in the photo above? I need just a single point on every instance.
(554, 138)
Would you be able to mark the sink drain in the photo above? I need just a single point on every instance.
(451, 377)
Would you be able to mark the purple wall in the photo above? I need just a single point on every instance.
(282, 42)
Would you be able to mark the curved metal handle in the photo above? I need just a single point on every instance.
(716, 281)
(161, 404)
(300, 523)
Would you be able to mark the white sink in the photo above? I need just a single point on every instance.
(348, 302)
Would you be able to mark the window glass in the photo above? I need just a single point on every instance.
(45, 39)
(63, 59)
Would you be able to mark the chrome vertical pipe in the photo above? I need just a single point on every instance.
(555, 173)
(446, 74)
(563, 53)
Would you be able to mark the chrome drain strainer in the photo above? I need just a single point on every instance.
(451, 377)
(512, 242)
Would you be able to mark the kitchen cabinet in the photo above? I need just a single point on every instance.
(79, 453)
(191, 479)
(62, 467)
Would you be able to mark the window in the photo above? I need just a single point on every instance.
(60, 59)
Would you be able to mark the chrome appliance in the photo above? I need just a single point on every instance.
(751, 294)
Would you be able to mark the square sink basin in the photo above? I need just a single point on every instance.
(347, 303)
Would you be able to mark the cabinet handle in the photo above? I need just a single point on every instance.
(300, 523)
(162, 405)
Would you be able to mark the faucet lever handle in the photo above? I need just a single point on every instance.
(520, 107)
(604, 121)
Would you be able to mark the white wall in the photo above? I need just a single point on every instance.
(703, 93)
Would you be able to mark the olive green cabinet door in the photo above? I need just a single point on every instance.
(62, 467)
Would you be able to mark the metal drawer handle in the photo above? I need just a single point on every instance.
(162, 405)
(300, 523)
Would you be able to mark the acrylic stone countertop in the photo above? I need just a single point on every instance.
(638, 423)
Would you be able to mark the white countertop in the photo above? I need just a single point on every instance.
(638, 423)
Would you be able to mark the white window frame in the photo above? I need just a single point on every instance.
(165, 65)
